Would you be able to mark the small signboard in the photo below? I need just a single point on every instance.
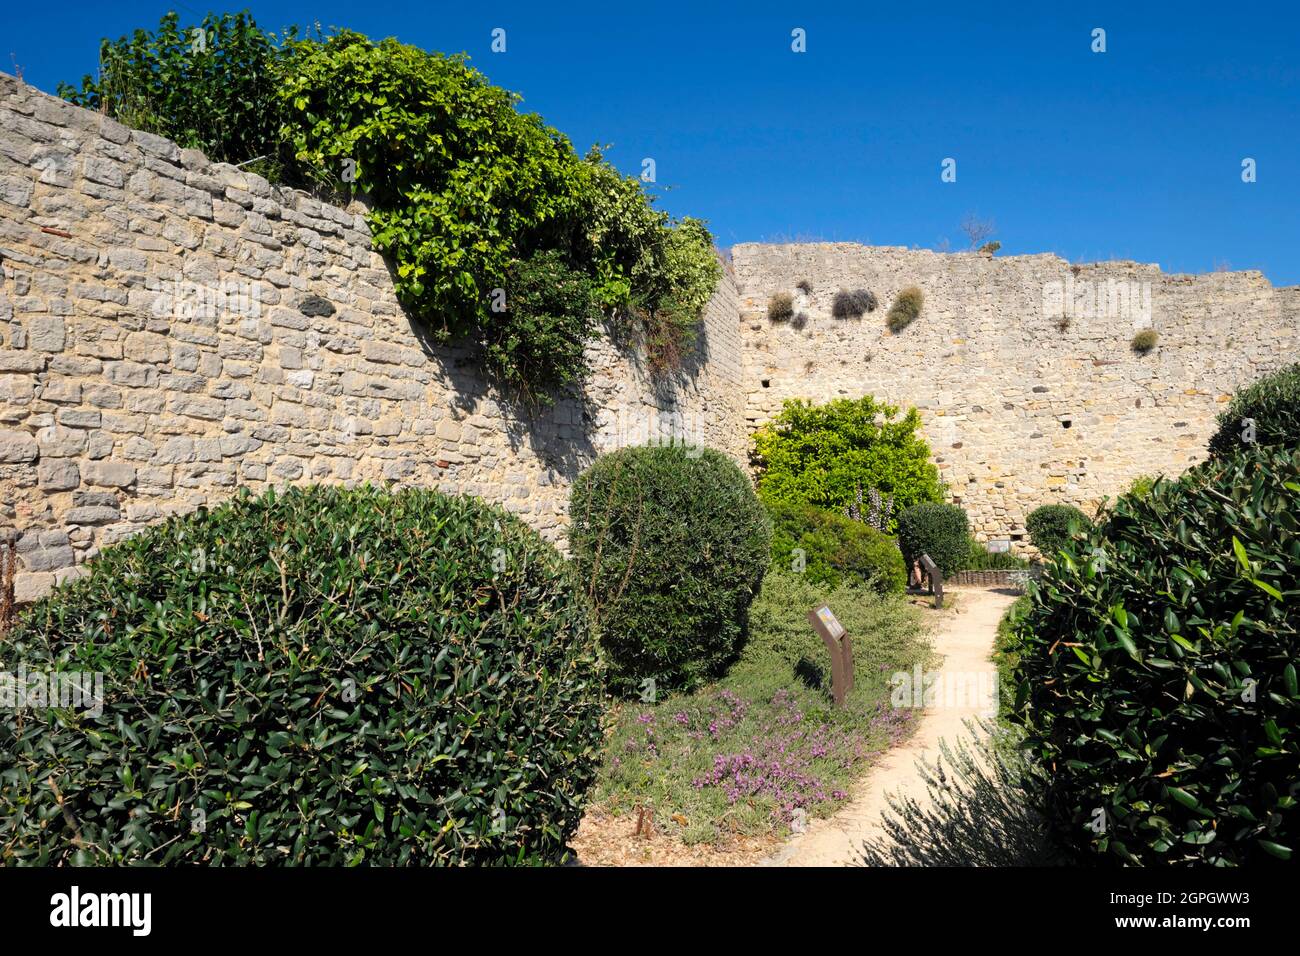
(840, 646)
(828, 618)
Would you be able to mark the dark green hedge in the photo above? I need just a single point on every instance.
(1159, 672)
(318, 677)
(835, 549)
(939, 530)
(1272, 403)
(672, 543)
(1049, 527)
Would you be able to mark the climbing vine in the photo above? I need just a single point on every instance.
(475, 203)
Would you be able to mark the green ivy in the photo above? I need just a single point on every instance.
(549, 312)
(462, 184)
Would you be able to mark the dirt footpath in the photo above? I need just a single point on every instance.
(965, 641)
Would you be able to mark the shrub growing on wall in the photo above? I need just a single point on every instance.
(671, 291)
(853, 305)
(1049, 527)
(1271, 405)
(780, 308)
(1144, 341)
(671, 543)
(210, 87)
(462, 183)
(906, 308)
(833, 549)
(823, 454)
(939, 530)
(1159, 677)
(318, 677)
(479, 186)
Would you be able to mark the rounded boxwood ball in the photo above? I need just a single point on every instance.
(672, 544)
(939, 530)
(1051, 527)
(322, 676)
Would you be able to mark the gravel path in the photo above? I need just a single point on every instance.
(965, 641)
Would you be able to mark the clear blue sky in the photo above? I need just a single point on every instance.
(1135, 153)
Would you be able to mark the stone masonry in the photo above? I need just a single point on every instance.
(1020, 366)
(171, 329)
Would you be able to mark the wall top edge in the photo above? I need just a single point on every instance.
(12, 88)
(746, 252)
(30, 101)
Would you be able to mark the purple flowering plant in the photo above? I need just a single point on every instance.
(741, 756)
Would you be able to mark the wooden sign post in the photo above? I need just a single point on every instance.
(840, 645)
(936, 579)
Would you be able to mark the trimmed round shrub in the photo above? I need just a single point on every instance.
(939, 530)
(1272, 404)
(906, 308)
(826, 454)
(853, 305)
(1049, 527)
(1157, 671)
(318, 677)
(672, 544)
(834, 549)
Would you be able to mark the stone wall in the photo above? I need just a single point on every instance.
(1021, 366)
(171, 329)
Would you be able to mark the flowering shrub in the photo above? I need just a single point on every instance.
(755, 760)
(779, 761)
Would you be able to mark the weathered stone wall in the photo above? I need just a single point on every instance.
(171, 329)
(1020, 408)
